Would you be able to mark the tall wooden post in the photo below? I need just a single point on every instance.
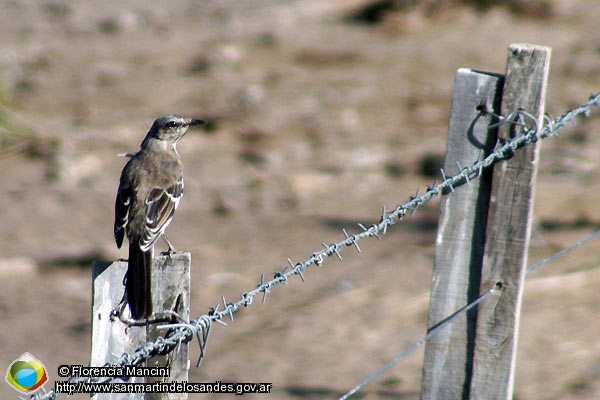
(461, 237)
(483, 239)
(112, 337)
(509, 229)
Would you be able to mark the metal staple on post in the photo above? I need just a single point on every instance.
(185, 331)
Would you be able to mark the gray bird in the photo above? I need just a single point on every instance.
(150, 189)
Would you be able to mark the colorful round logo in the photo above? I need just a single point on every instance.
(26, 374)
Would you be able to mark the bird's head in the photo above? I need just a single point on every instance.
(172, 127)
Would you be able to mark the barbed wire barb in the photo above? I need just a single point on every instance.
(351, 240)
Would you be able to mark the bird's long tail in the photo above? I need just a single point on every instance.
(139, 285)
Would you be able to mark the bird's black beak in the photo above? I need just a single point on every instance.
(196, 122)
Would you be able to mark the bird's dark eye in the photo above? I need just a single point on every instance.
(171, 124)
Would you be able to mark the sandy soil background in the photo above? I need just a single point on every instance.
(318, 116)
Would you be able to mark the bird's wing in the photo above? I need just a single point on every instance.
(160, 207)
(121, 212)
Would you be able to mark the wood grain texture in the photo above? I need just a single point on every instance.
(110, 339)
(509, 229)
(461, 237)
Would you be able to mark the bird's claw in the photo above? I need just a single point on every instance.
(168, 253)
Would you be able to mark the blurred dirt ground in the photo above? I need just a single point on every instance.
(319, 114)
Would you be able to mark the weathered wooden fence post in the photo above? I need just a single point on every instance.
(461, 237)
(509, 229)
(112, 338)
(483, 237)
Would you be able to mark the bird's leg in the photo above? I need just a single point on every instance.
(171, 248)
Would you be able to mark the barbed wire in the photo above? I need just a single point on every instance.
(185, 331)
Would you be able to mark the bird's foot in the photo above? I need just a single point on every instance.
(171, 250)
(117, 312)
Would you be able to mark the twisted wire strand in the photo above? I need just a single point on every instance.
(200, 327)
